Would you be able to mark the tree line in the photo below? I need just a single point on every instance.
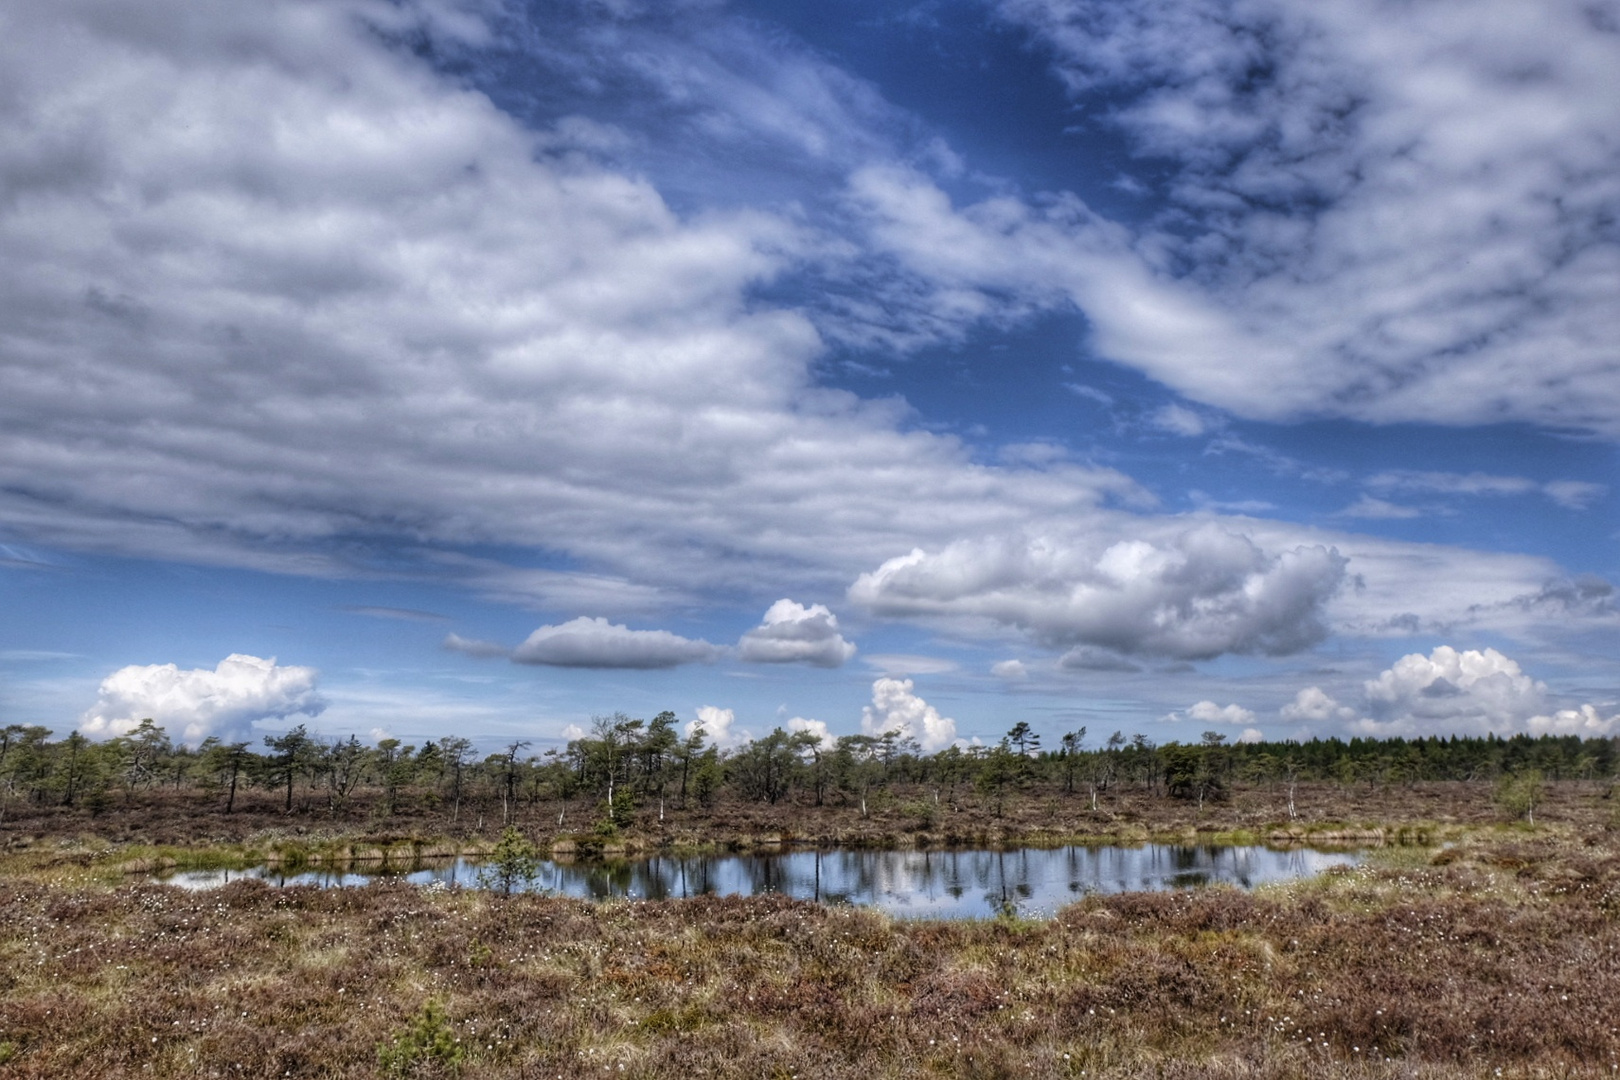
(627, 769)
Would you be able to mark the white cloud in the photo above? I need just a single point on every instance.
(1180, 420)
(196, 703)
(1373, 509)
(1397, 589)
(720, 726)
(1087, 658)
(793, 633)
(1314, 705)
(475, 647)
(533, 348)
(1450, 691)
(233, 256)
(1251, 735)
(1196, 594)
(1009, 669)
(1451, 483)
(824, 738)
(902, 664)
(1570, 494)
(1574, 494)
(571, 732)
(896, 708)
(1405, 206)
(1090, 393)
(1584, 722)
(596, 643)
(1207, 712)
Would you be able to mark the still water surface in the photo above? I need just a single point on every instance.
(916, 884)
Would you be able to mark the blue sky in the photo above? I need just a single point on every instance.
(461, 366)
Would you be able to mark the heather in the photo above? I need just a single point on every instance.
(1498, 952)
(1481, 935)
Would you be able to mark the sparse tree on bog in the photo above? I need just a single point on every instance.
(456, 753)
(291, 753)
(221, 765)
(1520, 793)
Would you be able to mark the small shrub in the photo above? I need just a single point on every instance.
(1519, 794)
(617, 815)
(427, 1040)
(513, 863)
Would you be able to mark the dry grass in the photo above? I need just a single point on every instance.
(1499, 953)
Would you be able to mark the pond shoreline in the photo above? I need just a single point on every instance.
(929, 883)
(389, 851)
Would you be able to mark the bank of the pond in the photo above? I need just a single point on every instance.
(297, 848)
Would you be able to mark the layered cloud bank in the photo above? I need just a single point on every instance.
(597, 643)
(1193, 596)
(195, 704)
(271, 282)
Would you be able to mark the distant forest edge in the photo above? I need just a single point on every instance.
(630, 771)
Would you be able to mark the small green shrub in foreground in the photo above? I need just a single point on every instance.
(428, 1038)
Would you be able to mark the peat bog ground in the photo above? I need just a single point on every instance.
(1494, 947)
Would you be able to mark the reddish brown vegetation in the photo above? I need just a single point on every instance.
(1502, 953)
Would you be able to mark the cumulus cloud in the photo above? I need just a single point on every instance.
(1406, 207)
(1472, 691)
(1207, 712)
(720, 726)
(596, 643)
(195, 703)
(1009, 669)
(896, 708)
(1449, 692)
(1584, 722)
(1194, 595)
(1314, 705)
(792, 633)
(824, 738)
